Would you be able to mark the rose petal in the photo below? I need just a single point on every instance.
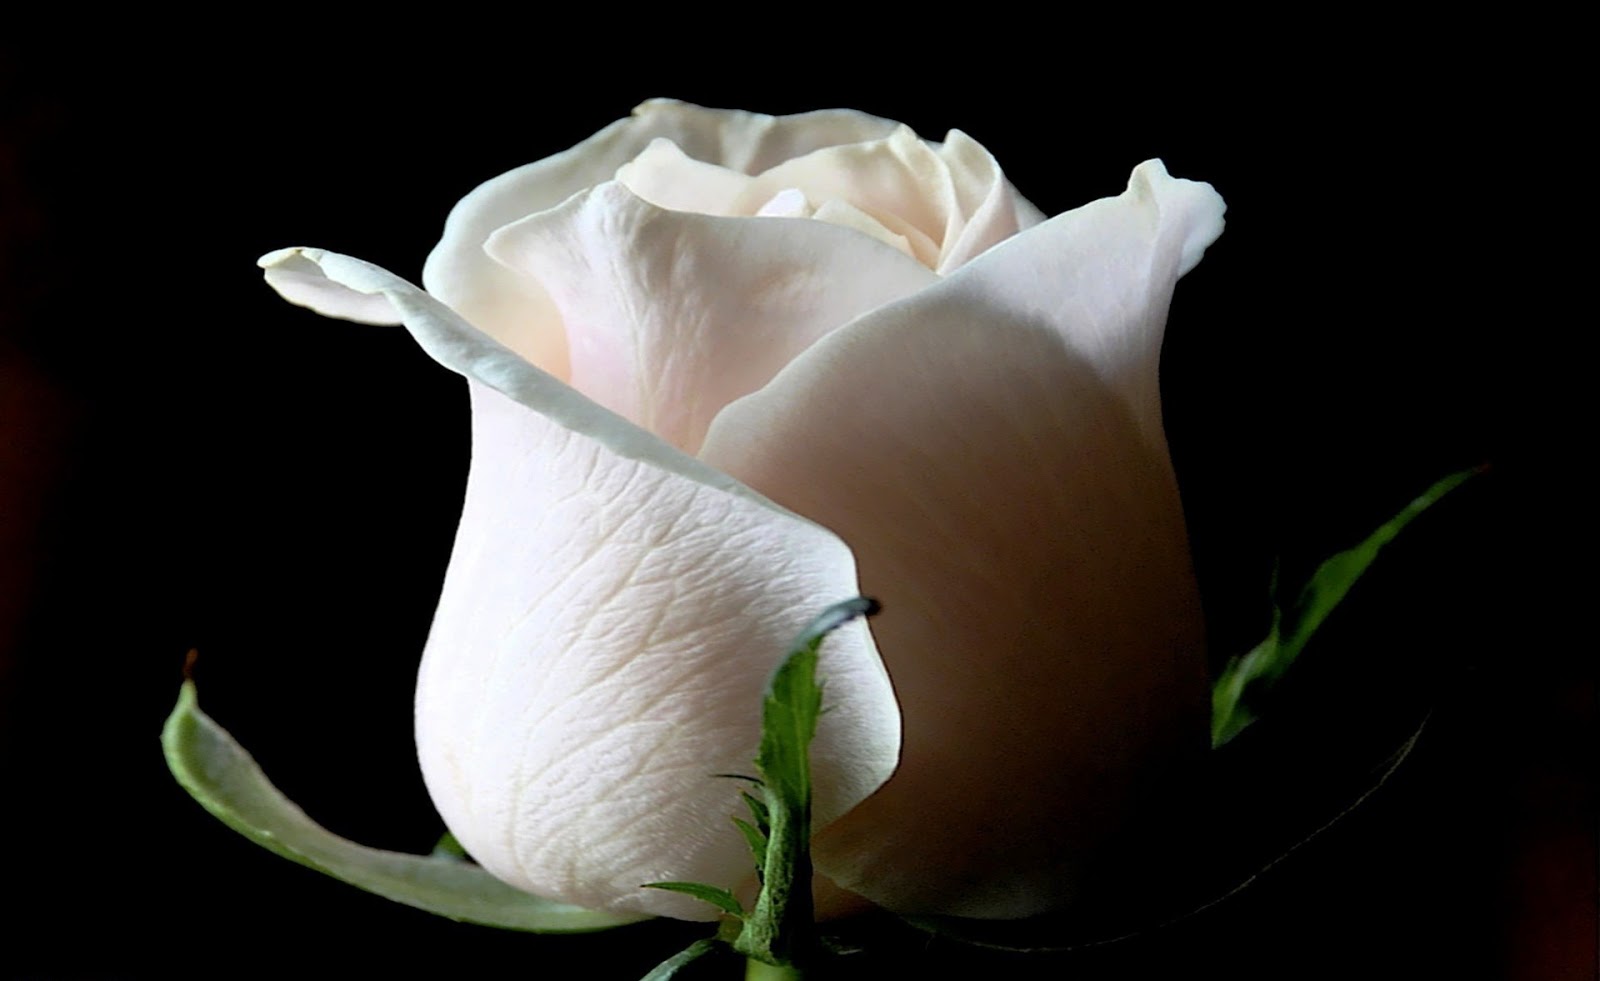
(669, 178)
(302, 282)
(516, 311)
(674, 315)
(790, 202)
(988, 208)
(991, 448)
(610, 617)
(836, 212)
(898, 180)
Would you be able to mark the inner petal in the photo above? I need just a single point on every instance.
(899, 176)
(518, 312)
(673, 315)
(987, 203)
(669, 178)
(788, 203)
(842, 213)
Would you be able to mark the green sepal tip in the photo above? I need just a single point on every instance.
(219, 774)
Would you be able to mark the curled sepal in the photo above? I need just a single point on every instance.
(1247, 679)
(778, 929)
(715, 895)
(218, 772)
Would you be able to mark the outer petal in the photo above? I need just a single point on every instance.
(674, 315)
(610, 616)
(991, 449)
(302, 282)
(514, 309)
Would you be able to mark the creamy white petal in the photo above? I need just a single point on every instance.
(837, 212)
(610, 616)
(302, 282)
(515, 310)
(669, 178)
(899, 180)
(987, 449)
(674, 315)
(988, 208)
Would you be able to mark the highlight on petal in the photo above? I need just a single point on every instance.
(611, 614)
(991, 448)
(674, 315)
(515, 310)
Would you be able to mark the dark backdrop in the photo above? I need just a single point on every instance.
(191, 463)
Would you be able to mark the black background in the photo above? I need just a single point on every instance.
(192, 463)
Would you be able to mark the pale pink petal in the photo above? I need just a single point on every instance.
(674, 315)
(986, 448)
(611, 614)
(515, 310)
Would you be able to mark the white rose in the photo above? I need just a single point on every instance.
(727, 369)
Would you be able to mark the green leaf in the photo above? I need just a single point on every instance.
(1247, 679)
(672, 965)
(715, 895)
(1334, 577)
(222, 776)
(780, 926)
(1230, 713)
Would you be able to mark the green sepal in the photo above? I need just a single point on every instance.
(758, 809)
(218, 772)
(1236, 696)
(757, 840)
(715, 895)
(779, 928)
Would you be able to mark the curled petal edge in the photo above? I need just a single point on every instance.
(347, 288)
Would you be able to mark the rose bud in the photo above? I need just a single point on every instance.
(729, 368)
